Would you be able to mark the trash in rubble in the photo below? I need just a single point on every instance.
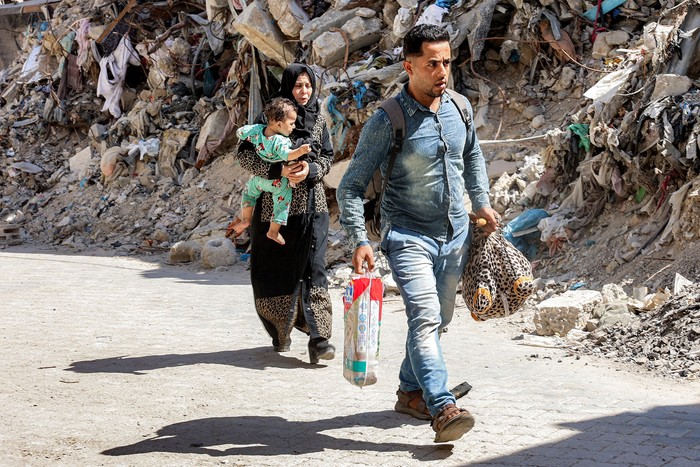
(605, 7)
(26, 167)
(523, 231)
(606, 88)
(680, 283)
(581, 130)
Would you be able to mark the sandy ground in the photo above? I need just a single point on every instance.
(129, 361)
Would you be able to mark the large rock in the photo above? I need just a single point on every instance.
(670, 85)
(184, 252)
(329, 48)
(614, 313)
(219, 252)
(289, 15)
(558, 315)
(331, 19)
(258, 27)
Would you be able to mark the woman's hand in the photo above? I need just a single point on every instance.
(296, 172)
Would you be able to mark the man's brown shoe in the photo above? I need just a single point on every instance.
(412, 403)
(451, 423)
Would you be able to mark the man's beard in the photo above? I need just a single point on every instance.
(436, 94)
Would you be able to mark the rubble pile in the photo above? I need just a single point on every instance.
(665, 340)
(118, 118)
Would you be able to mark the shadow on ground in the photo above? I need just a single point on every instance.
(275, 436)
(662, 435)
(655, 437)
(236, 275)
(258, 358)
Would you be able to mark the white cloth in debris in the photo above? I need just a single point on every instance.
(432, 15)
(214, 31)
(83, 39)
(112, 74)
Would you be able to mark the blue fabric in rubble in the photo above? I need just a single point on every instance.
(527, 243)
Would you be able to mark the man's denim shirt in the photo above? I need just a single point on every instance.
(439, 158)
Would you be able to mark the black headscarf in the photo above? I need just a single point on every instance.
(306, 114)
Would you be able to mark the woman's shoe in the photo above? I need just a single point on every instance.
(320, 349)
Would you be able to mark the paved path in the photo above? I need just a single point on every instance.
(122, 361)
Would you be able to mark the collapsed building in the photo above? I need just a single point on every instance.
(118, 118)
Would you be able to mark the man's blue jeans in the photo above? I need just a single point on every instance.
(426, 272)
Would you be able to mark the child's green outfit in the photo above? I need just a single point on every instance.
(276, 148)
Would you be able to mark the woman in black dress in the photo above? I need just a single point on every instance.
(289, 281)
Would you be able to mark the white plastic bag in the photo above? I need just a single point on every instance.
(362, 302)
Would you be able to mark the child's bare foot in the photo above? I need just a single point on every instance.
(241, 226)
(275, 236)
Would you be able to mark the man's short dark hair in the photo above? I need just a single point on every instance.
(413, 41)
(278, 108)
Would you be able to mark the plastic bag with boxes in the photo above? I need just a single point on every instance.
(362, 302)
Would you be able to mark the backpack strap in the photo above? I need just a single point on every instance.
(461, 104)
(398, 122)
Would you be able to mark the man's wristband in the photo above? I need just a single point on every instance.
(362, 243)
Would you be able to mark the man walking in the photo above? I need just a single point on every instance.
(425, 226)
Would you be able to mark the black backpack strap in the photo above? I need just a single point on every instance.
(461, 103)
(398, 122)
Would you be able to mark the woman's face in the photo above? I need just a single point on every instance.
(302, 89)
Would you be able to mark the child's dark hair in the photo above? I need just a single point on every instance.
(278, 108)
(430, 33)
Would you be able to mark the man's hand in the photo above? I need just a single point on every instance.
(493, 219)
(363, 254)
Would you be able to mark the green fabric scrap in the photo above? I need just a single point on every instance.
(641, 193)
(581, 129)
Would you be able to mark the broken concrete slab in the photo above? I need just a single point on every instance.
(80, 163)
(498, 167)
(670, 85)
(289, 15)
(331, 19)
(558, 315)
(330, 47)
(260, 29)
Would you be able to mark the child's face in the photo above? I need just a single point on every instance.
(286, 126)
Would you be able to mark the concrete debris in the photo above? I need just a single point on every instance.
(665, 340)
(184, 252)
(558, 315)
(117, 130)
(218, 252)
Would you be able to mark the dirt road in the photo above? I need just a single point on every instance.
(125, 361)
